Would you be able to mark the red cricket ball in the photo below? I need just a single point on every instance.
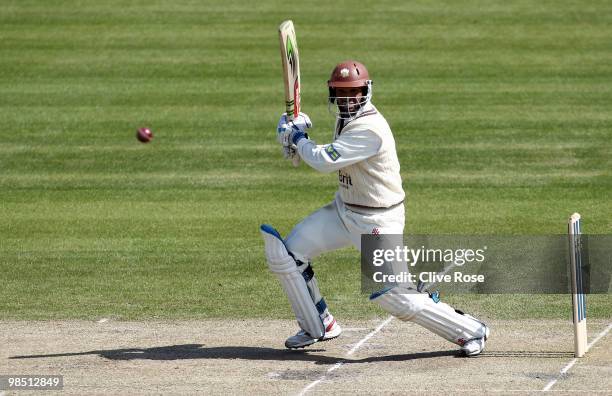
(144, 135)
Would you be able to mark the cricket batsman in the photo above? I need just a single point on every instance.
(369, 200)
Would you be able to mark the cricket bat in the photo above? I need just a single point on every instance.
(291, 72)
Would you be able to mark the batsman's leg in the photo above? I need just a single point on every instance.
(320, 232)
(427, 310)
(283, 265)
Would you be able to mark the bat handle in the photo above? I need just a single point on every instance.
(291, 115)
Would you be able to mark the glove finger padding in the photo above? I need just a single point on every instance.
(283, 134)
(283, 120)
(285, 131)
(302, 122)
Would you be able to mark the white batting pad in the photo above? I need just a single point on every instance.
(284, 266)
(439, 318)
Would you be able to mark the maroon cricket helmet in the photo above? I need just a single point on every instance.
(349, 74)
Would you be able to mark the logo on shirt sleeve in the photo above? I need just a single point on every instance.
(332, 153)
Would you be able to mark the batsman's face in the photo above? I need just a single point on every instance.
(348, 99)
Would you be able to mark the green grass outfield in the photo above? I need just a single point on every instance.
(501, 112)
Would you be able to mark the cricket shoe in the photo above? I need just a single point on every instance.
(476, 346)
(303, 339)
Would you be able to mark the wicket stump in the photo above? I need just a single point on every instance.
(577, 283)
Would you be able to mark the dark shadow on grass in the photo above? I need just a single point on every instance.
(199, 351)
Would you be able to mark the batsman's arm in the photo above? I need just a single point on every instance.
(348, 149)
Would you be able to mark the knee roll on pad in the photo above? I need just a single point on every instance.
(439, 318)
(284, 266)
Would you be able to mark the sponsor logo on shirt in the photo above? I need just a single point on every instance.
(344, 179)
(332, 153)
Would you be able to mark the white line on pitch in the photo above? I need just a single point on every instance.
(370, 335)
(565, 369)
(599, 337)
(349, 353)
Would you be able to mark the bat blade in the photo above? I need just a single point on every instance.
(291, 72)
(291, 68)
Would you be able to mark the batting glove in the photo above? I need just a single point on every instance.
(290, 132)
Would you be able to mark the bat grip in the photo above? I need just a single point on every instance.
(296, 159)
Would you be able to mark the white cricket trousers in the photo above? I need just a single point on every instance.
(334, 226)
